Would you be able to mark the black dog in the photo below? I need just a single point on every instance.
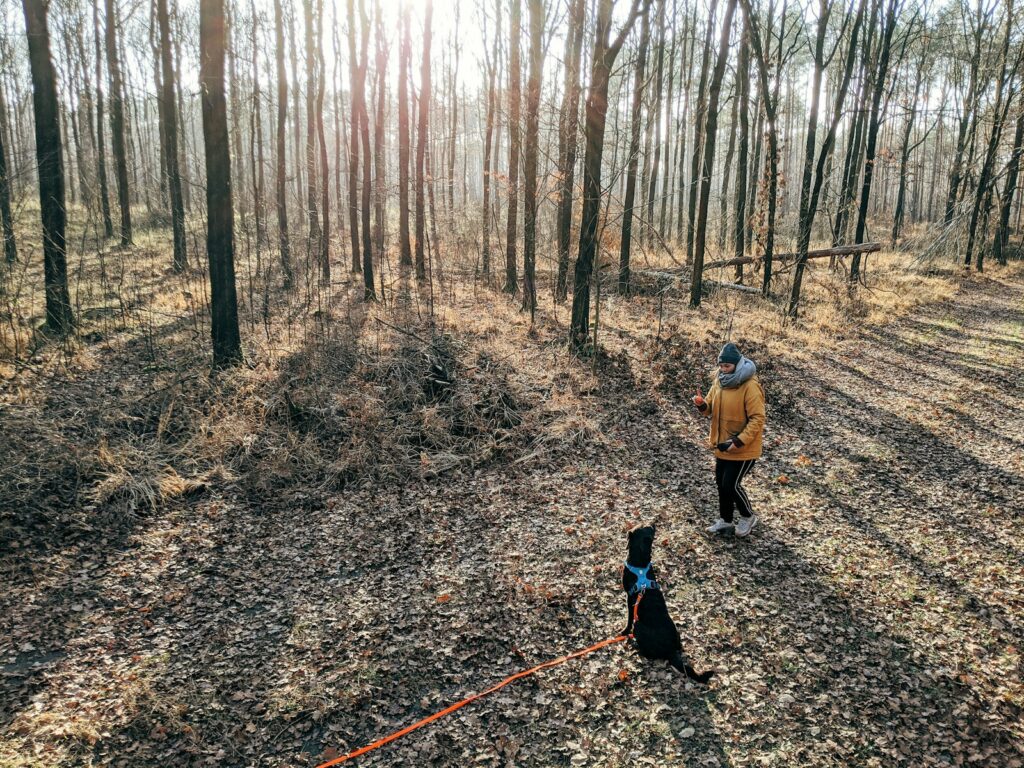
(653, 630)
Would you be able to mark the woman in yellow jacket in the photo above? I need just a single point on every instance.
(735, 404)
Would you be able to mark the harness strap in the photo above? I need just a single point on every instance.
(643, 579)
(636, 608)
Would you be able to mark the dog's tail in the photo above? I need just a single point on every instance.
(679, 663)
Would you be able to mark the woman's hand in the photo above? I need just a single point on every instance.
(698, 399)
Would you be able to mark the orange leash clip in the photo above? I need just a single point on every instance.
(474, 697)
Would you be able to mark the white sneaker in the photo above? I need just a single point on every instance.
(746, 525)
(719, 526)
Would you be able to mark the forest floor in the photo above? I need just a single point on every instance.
(289, 602)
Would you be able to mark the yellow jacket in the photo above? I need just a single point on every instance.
(739, 413)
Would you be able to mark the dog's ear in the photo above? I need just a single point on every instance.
(654, 529)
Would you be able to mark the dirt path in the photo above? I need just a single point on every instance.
(874, 618)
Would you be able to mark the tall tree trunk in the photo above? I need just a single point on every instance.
(453, 106)
(754, 175)
(698, 133)
(1004, 99)
(312, 45)
(79, 105)
(730, 151)
(340, 130)
(59, 319)
(568, 129)
(282, 127)
(634, 153)
(809, 195)
(602, 61)
(710, 130)
(6, 216)
(117, 130)
(256, 137)
(1012, 172)
(897, 217)
(183, 170)
(220, 247)
(514, 95)
(293, 57)
(163, 175)
(889, 26)
(235, 111)
(743, 95)
(421, 146)
(404, 143)
(684, 123)
(770, 99)
(664, 222)
(369, 292)
(170, 113)
(381, 72)
(356, 77)
(324, 253)
(967, 119)
(854, 151)
(101, 151)
(485, 218)
(659, 79)
(533, 86)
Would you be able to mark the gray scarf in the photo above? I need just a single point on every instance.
(744, 371)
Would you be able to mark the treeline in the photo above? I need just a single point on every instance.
(509, 133)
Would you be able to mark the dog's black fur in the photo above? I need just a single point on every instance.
(655, 633)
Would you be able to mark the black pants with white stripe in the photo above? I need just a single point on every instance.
(731, 495)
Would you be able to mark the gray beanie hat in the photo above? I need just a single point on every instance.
(730, 354)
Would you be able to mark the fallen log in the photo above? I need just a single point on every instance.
(841, 250)
(733, 286)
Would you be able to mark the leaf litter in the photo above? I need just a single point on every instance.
(284, 613)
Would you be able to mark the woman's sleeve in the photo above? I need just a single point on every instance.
(753, 403)
(709, 401)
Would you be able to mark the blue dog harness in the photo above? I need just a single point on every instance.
(643, 581)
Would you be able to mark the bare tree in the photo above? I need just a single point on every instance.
(601, 63)
(487, 183)
(634, 152)
(282, 128)
(567, 141)
(515, 148)
(101, 150)
(357, 79)
(117, 124)
(170, 116)
(1002, 236)
(45, 107)
(809, 195)
(708, 156)
(887, 30)
(220, 244)
(530, 158)
(404, 143)
(421, 146)
(6, 216)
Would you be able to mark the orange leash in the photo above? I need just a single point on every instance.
(464, 702)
